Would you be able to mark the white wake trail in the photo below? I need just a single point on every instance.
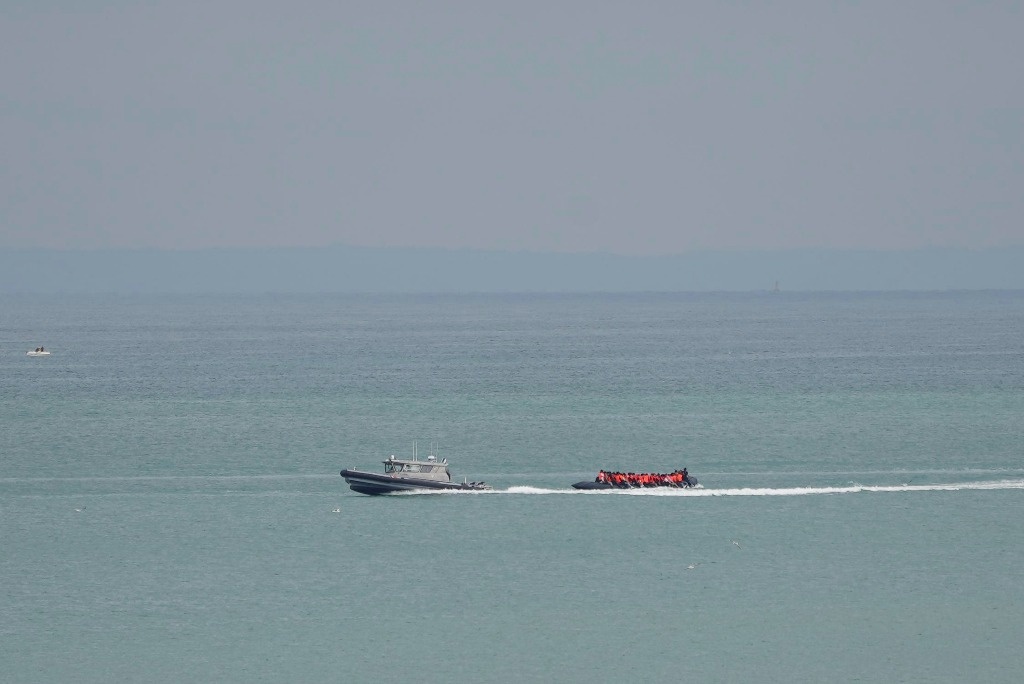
(774, 491)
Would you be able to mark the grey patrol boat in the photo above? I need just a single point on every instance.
(409, 475)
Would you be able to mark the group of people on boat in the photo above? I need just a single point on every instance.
(677, 478)
(39, 349)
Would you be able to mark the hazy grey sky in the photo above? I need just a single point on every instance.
(632, 128)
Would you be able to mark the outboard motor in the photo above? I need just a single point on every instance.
(691, 481)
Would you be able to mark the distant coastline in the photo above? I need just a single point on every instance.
(426, 270)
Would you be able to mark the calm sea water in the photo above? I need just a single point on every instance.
(171, 509)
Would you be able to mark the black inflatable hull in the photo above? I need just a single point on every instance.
(591, 485)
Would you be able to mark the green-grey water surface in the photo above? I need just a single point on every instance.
(171, 510)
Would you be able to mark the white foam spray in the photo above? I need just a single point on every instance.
(774, 491)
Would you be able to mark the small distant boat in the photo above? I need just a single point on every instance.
(409, 475)
(39, 351)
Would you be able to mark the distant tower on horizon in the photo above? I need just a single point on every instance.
(776, 288)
